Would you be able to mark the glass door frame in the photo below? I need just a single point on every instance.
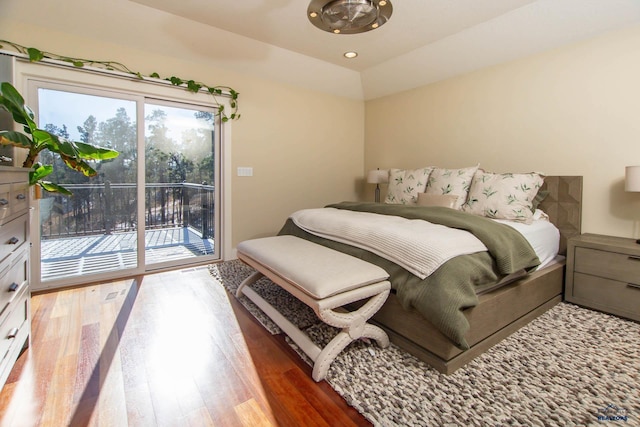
(217, 194)
(27, 78)
(34, 84)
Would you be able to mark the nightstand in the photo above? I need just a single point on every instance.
(603, 273)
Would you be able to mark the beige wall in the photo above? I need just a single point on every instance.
(571, 111)
(306, 148)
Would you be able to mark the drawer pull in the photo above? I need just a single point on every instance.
(634, 258)
(13, 287)
(13, 240)
(633, 285)
(21, 196)
(4, 202)
(12, 333)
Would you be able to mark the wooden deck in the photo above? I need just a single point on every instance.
(74, 256)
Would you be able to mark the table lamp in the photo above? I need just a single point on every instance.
(632, 181)
(378, 177)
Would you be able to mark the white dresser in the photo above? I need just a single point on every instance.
(15, 317)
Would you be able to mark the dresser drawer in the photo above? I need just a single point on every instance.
(13, 279)
(10, 327)
(610, 265)
(19, 200)
(13, 235)
(5, 204)
(607, 295)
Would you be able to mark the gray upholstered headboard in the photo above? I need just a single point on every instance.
(563, 204)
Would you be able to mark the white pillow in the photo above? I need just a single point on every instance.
(454, 182)
(404, 185)
(504, 196)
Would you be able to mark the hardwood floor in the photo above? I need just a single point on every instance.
(170, 349)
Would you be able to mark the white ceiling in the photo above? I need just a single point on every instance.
(424, 41)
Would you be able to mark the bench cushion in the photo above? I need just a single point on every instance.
(316, 270)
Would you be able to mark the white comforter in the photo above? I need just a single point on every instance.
(418, 246)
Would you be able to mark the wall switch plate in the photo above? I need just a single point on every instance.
(245, 171)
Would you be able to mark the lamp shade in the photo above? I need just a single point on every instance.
(378, 176)
(632, 178)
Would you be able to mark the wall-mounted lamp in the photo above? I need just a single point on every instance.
(378, 177)
(632, 181)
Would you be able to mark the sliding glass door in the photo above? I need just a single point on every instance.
(181, 176)
(94, 230)
(154, 206)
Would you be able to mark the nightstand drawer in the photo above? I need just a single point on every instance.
(610, 265)
(607, 295)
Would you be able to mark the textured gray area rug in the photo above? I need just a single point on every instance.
(569, 367)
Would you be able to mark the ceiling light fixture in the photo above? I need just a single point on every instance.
(349, 16)
(350, 55)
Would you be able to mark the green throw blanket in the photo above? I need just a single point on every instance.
(442, 297)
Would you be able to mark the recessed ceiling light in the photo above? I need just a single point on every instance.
(350, 55)
(313, 14)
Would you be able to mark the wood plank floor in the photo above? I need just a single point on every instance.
(170, 349)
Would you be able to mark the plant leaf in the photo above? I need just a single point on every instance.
(54, 188)
(78, 165)
(43, 139)
(192, 86)
(35, 55)
(18, 139)
(92, 152)
(39, 171)
(13, 102)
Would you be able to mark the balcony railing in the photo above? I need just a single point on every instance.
(107, 208)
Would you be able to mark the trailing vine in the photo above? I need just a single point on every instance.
(37, 55)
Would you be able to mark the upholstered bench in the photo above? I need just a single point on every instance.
(323, 279)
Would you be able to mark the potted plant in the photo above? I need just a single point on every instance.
(74, 154)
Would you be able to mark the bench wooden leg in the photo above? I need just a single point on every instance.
(353, 324)
(255, 276)
(339, 342)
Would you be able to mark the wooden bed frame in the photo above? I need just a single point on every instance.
(499, 312)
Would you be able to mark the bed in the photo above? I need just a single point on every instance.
(495, 313)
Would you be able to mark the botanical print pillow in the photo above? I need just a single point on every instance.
(404, 185)
(455, 182)
(504, 196)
